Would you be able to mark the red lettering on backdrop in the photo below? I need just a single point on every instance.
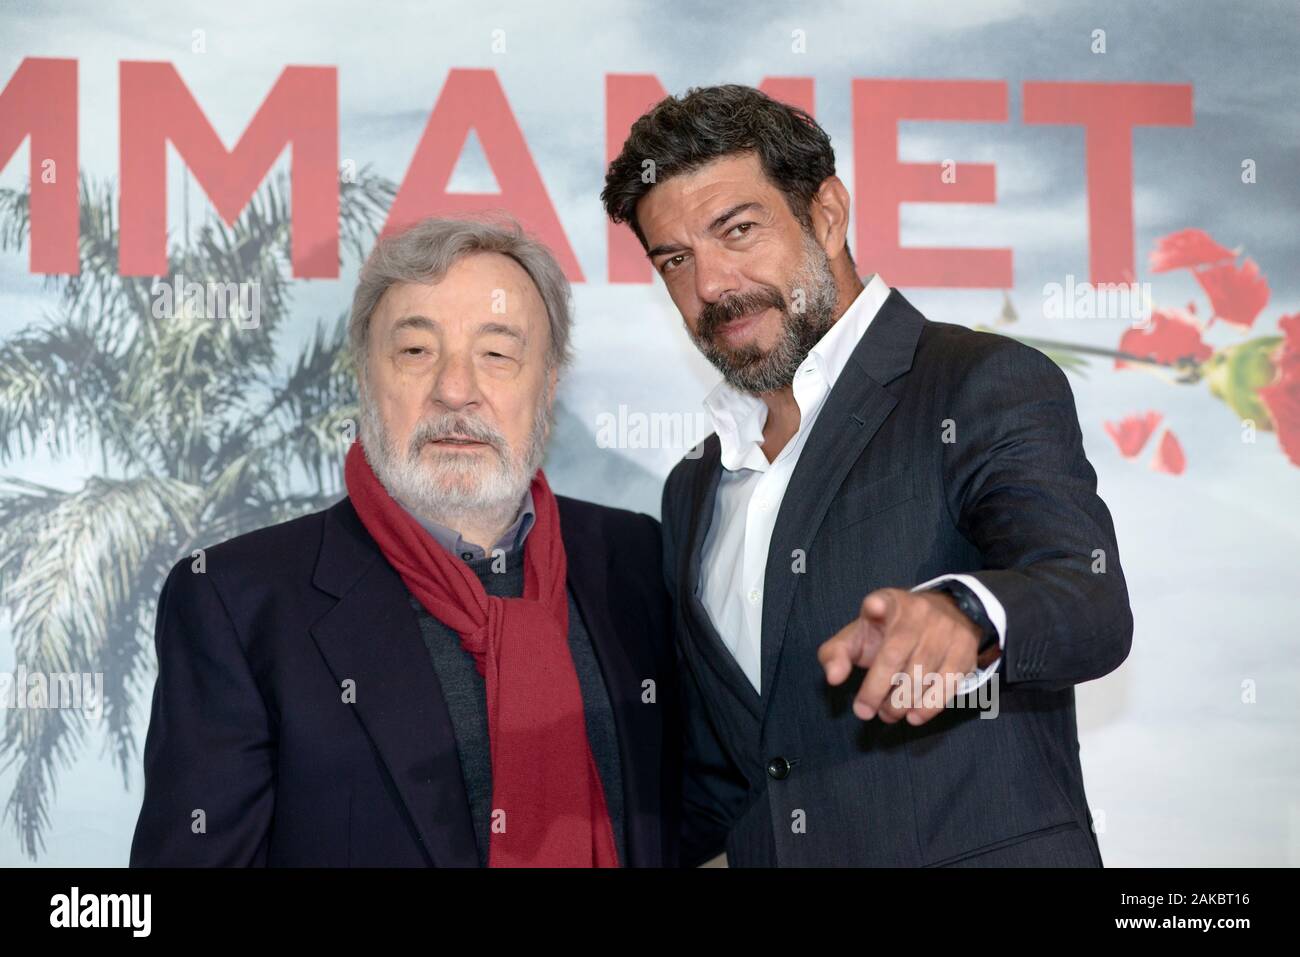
(474, 99)
(1108, 112)
(627, 96)
(40, 101)
(301, 110)
(881, 183)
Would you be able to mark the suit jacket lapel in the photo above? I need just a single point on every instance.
(704, 494)
(371, 637)
(623, 666)
(853, 411)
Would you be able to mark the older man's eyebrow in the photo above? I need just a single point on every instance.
(502, 329)
(718, 222)
(414, 322)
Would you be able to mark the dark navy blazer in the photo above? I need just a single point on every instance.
(254, 757)
(939, 450)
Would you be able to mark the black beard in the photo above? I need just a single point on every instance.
(749, 368)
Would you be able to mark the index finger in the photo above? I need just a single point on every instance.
(838, 653)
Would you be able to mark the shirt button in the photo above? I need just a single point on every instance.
(764, 505)
(754, 595)
(467, 555)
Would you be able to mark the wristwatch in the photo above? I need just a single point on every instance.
(968, 604)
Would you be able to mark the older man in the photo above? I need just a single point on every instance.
(452, 666)
(892, 515)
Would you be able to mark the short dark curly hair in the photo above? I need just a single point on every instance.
(681, 134)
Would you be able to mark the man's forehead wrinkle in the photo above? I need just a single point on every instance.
(460, 295)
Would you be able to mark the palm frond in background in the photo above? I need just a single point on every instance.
(199, 435)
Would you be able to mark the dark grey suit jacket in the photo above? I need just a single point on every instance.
(879, 499)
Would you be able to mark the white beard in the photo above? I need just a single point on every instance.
(445, 488)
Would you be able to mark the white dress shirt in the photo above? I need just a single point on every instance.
(734, 560)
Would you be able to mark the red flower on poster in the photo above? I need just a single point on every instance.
(1283, 397)
(1170, 337)
(1169, 456)
(1187, 249)
(1257, 378)
(1131, 432)
(1238, 294)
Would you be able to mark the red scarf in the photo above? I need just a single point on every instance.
(548, 806)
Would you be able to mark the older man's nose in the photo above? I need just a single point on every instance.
(456, 385)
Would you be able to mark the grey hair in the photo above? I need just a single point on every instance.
(425, 251)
